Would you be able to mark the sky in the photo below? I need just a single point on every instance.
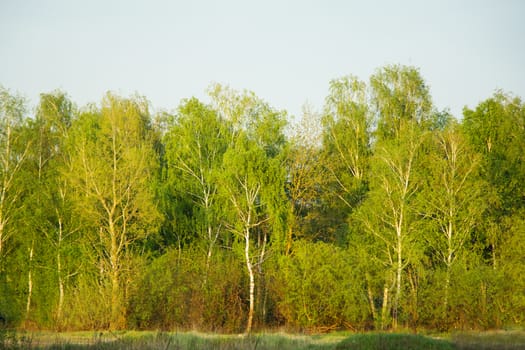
(285, 51)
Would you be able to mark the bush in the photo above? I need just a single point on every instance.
(319, 291)
(177, 291)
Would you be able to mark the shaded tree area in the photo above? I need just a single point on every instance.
(378, 212)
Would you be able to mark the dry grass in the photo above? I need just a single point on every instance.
(193, 340)
(504, 340)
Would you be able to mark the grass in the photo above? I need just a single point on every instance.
(504, 340)
(337, 341)
(393, 341)
(161, 340)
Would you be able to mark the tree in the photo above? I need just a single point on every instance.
(452, 199)
(496, 129)
(306, 175)
(47, 130)
(56, 223)
(13, 153)
(253, 179)
(347, 122)
(403, 115)
(112, 162)
(347, 125)
(14, 149)
(246, 166)
(399, 94)
(388, 213)
(195, 146)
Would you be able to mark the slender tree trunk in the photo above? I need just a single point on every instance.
(447, 288)
(1, 236)
(60, 292)
(115, 301)
(115, 279)
(370, 295)
(448, 263)
(30, 280)
(399, 271)
(289, 234)
(211, 244)
(414, 285)
(384, 308)
(59, 273)
(261, 290)
(251, 276)
(210, 249)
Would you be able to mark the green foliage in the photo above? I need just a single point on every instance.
(318, 291)
(194, 148)
(377, 213)
(400, 95)
(496, 129)
(183, 293)
(346, 151)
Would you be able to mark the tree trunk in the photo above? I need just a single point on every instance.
(60, 295)
(399, 271)
(448, 262)
(384, 308)
(210, 248)
(1, 234)
(59, 272)
(370, 295)
(249, 266)
(261, 290)
(115, 322)
(116, 315)
(30, 281)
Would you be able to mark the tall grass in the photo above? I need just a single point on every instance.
(489, 340)
(196, 341)
(380, 341)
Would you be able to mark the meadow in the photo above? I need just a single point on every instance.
(507, 340)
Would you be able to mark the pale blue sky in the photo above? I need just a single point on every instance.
(284, 51)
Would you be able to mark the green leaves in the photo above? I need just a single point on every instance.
(378, 212)
(399, 95)
(111, 170)
(319, 292)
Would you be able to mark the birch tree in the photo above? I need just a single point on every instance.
(453, 199)
(496, 130)
(245, 166)
(111, 168)
(57, 224)
(13, 153)
(253, 180)
(347, 124)
(403, 112)
(47, 131)
(195, 145)
(389, 213)
(400, 94)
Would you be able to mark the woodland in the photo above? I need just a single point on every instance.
(379, 212)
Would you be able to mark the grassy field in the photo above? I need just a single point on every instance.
(197, 341)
